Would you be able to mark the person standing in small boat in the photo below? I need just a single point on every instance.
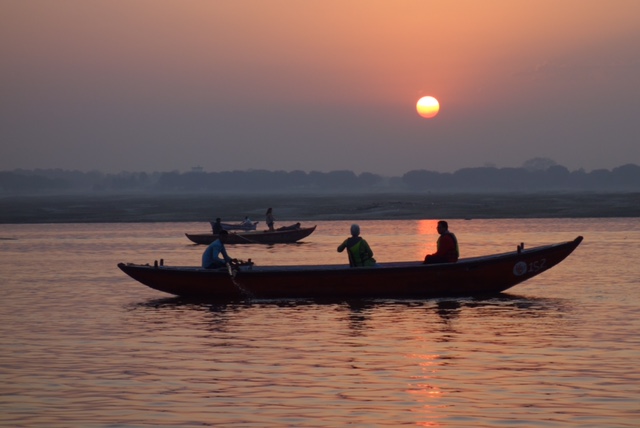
(447, 246)
(217, 226)
(211, 256)
(269, 219)
(358, 249)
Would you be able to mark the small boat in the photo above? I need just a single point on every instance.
(238, 226)
(473, 276)
(286, 236)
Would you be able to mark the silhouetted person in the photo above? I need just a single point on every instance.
(447, 246)
(291, 227)
(217, 226)
(211, 256)
(358, 249)
(269, 219)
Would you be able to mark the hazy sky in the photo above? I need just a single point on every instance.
(159, 85)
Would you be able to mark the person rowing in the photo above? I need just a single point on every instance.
(211, 257)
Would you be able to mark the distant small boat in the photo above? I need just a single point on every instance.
(238, 226)
(473, 276)
(285, 236)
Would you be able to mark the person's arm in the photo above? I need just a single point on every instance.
(227, 259)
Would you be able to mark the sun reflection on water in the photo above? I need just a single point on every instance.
(426, 393)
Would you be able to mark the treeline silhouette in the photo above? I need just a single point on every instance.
(532, 177)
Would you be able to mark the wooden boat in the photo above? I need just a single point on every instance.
(287, 236)
(238, 226)
(468, 277)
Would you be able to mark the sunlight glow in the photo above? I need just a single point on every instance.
(428, 107)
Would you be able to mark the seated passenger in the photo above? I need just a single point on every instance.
(216, 227)
(211, 256)
(447, 246)
(292, 227)
(358, 249)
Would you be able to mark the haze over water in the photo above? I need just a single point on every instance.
(82, 345)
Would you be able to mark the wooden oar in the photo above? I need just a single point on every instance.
(241, 289)
(233, 271)
(246, 239)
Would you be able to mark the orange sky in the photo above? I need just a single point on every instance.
(318, 85)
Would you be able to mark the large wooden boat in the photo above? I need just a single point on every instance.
(286, 236)
(468, 277)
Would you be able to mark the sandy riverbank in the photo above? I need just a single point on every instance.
(155, 208)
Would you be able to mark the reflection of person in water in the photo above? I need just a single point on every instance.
(448, 310)
(358, 249)
(447, 246)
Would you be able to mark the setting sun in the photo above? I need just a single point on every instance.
(428, 107)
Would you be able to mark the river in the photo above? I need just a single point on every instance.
(83, 345)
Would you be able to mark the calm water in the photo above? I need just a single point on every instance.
(81, 344)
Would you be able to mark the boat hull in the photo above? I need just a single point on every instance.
(468, 277)
(261, 237)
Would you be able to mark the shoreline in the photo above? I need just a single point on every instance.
(136, 208)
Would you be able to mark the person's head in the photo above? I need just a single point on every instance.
(443, 226)
(268, 210)
(218, 220)
(223, 235)
(355, 230)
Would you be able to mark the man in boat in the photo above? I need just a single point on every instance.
(358, 249)
(217, 226)
(246, 222)
(211, 256)
(447, 246)
(292, 227)
(269, 219)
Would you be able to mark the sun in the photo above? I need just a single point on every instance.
(428, 107)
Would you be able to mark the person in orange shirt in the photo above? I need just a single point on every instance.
(447, 247)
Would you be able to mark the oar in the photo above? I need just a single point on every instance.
(246, 239)
(233, 272)
(241, 289)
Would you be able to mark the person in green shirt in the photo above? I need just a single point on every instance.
(358, 249)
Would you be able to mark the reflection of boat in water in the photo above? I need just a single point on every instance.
(238, 226)
(472, 276)
(284, 236)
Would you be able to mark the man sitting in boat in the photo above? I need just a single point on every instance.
(292, 227)
(358, 249)
(447, 246)
(217, 226)
(246, 222)
(211, 256)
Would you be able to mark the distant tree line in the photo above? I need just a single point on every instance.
(554, 178)
(534, 176)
